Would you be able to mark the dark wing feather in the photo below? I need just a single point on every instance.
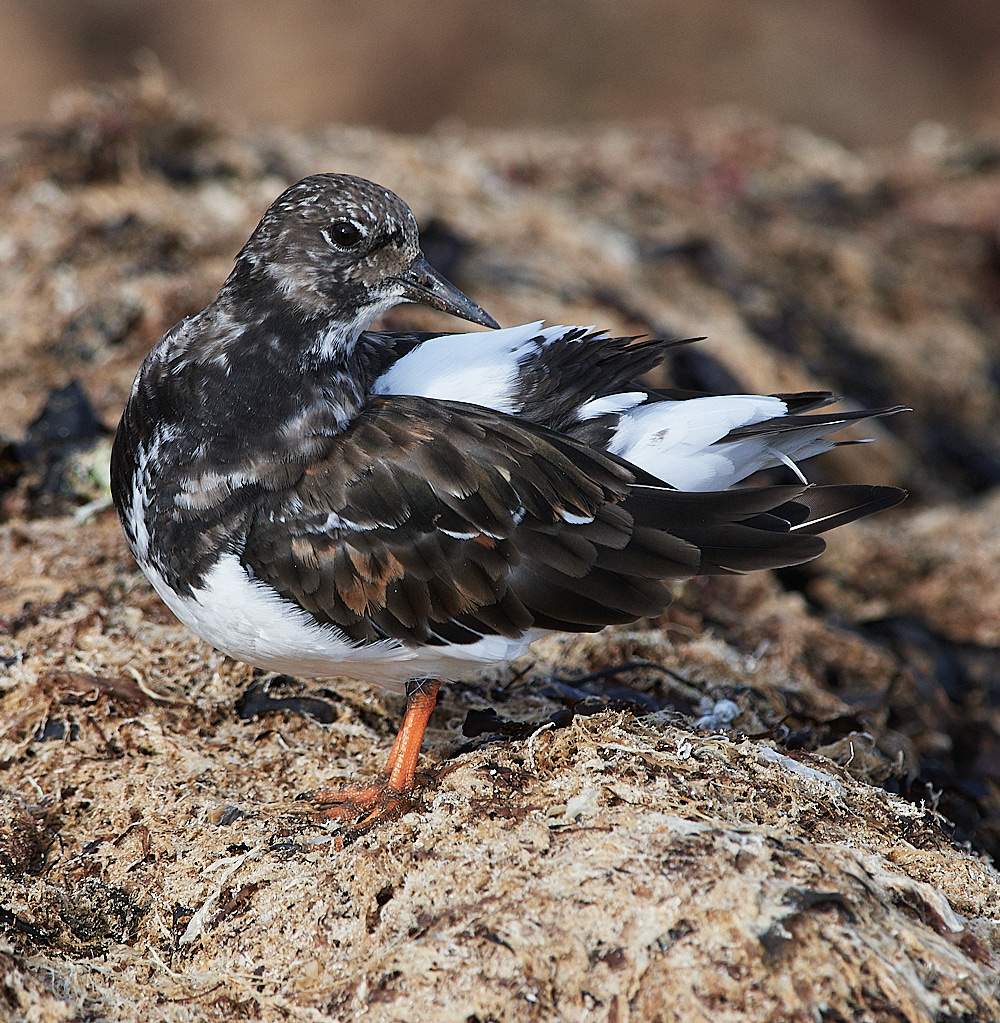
(568, 371)
(749, 528)
(439, 522)
(792, 423)
(411, 523)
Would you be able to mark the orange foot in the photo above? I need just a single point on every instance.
(391, 795)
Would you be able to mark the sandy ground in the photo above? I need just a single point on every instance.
(790, 813)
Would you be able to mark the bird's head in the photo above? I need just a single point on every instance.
(344, 249)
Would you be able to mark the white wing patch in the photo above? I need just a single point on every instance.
(610, 403)
(678, 441)
(480, 367)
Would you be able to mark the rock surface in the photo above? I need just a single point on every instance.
(784, 810)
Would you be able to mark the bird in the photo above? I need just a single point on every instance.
(319, 499)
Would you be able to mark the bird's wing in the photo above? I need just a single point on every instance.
(436, 522)
(423, 521)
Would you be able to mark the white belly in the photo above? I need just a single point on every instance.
(247, 619)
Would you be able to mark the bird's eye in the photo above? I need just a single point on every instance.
(345, 233)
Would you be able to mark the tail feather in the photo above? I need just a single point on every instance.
(796, 423)
(679, 535)
(705, 444)
(830, 507)
(752, 528)
(739, 548)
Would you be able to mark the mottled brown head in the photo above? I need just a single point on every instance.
(347, 249)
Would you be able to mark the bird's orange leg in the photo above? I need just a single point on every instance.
(390, 795)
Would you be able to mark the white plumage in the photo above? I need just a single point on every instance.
(481, 369)
(682, 443)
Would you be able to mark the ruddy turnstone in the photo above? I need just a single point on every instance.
(317, 499)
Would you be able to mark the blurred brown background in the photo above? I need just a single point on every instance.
(863, 71)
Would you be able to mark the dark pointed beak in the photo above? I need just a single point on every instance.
(425, 285)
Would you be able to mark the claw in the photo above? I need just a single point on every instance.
(391, 795)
